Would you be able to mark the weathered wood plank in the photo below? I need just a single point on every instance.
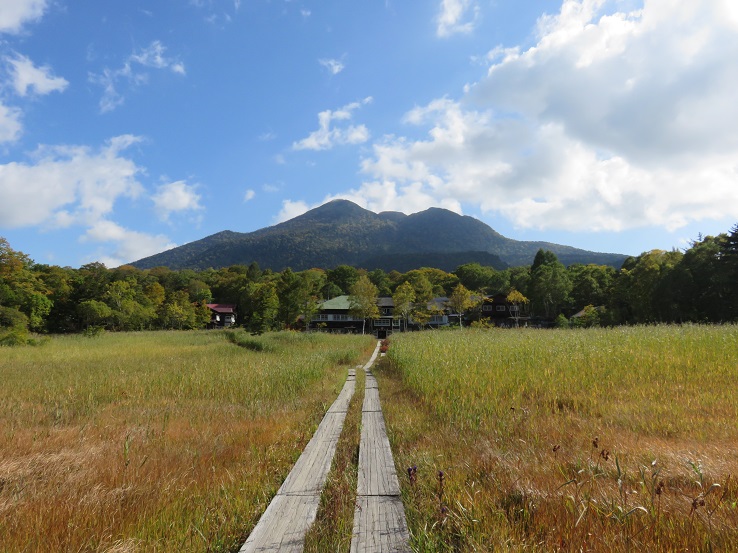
(288, 519)
(379, 517)
(311, 469)
(379, 525)
(371, 400)
(290, 514)
(377, 475)
(342, 401)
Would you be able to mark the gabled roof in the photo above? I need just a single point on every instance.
(222, 307)
(337, 303)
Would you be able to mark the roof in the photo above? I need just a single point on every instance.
(222, 307)
(385, 301)
(337, 303)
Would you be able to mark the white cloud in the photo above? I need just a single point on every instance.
(332, 65)
(456, 16)
(613, 120)
(329, 135)
(152, 57)
(67, 185)
(290, 210)
(249, 195)
(10, 124)
(129, 245)
(176, 197)
(27, 76)
(15, 13)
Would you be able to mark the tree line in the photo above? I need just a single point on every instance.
(699, 284)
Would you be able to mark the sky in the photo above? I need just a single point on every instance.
(130, 127)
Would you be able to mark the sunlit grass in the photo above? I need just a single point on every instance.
(558, 439)
(156, 441)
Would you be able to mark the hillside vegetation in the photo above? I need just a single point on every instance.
(342, 233)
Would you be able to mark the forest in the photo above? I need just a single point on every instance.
(699, 284)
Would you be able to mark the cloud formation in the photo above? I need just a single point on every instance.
(110, 80)
(27, 77)
(332, 65)
(129, 245)
(16, 13)
(10, 124)
(176, 197)
(329, 134)
(67, 185)
(456, 16)
(612, 120)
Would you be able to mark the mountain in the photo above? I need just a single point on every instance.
(342, 233)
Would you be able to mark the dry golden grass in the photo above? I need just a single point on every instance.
(548, 443)
(156, 441)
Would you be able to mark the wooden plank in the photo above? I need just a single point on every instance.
(377, 475)
(290, 514)
(311, 469)
(379, 525)
(289, 518)
(342, 401)
(379, 517)
(371, 400)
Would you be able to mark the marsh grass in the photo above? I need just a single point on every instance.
(595, 440)
(156, 441)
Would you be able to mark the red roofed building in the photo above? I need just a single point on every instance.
(222, 315)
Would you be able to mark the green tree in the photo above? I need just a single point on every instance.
(290, 292)
(21, 289)
(380, 279)
(94, 313)
(549, 285)
(343, 276)
(312, 281)
(363, 300)
(199, 291)
(591, 284)
(517, 303)
(641, 293)
(460, 301)
(729, 270)
(477, 277)
(403, 299)
(264, 303)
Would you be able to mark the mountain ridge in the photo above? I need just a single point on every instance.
(342, 233)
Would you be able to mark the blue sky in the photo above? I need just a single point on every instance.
(129, 127)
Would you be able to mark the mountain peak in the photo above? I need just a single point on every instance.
(340, 232)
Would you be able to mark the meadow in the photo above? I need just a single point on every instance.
(159, 440)
(622, 439)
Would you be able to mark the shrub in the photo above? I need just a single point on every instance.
(12, 318)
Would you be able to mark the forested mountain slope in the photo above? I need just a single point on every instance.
(342, 233)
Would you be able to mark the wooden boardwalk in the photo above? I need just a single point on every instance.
(379, 517)
(283, 525)
(289, 516)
